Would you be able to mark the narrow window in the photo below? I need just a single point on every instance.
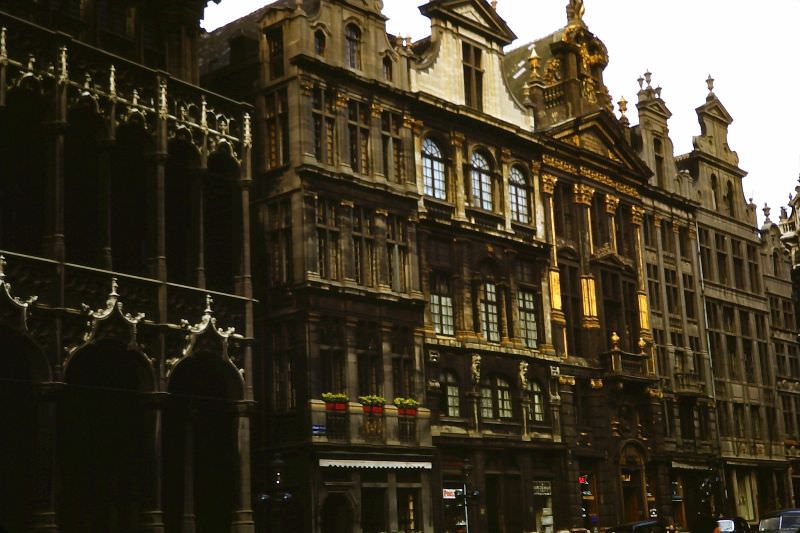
(481, 182)
(327, 239)
(489, 311)
(387, 69)
(352, 52)
(433, 170)
(528, 318)
(473, 76)
(519, 195)
(275, 45)
(324, 117)
(441, 304)
(358, 134)
(452, 395)
(658, 150)
(537, 403)
(319, 42)
(393, 153)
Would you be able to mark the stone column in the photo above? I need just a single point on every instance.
(699, 304)
(346, 240)
(302, 137)
(151, 515)
(243, 514)
(558, 321)
(505, 199)
(156, 195)
(612, 202)
(637, 217)
(55, 130)
(306, 233)
(343, 144)
(414, 276)
(456, 183)
(381, 216)
(408, 151)
(377, 156)
(44, 500)
(418, 129)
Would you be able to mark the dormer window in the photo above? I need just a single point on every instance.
(473, 76)
(387, 68)
(352, 51)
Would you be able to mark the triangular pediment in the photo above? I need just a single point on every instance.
(715, 109)
(602, 135)
(476, 15)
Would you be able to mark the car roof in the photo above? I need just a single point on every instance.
(773, 514)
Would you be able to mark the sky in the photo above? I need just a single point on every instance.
(749, 48)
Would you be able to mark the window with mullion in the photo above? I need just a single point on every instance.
(363, 247)
(489, 312)
(433, 170)
(397, 251)
(392, 146)
(473, 76)
(277, 129)
(327, 239)
(496, 398)
(528, 317)
(481, 182)
(519, 196)
(537, 413)
(324, 124)
(358, 134)
(352, 50)
(441, 304)
(452, 395)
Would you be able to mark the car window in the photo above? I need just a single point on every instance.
(769, 524)
(726, 525)
(789, 522)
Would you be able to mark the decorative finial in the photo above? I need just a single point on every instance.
(112, 81)
(494, 5)
(575, 11)
(162, 99)
(135, 98)
(31, 62)
(114, 287)
(710, 84)
(203, 119)
(3, 51)
(2, 265)
(614, 340)
(623, 106)
(87, 81)
(63, 74)
(642, 346)
(766, 211)
(533, 62)
(648, 76)
(658, 91)
(182, 113)
(247, 135)
(223, 126)
(209, 300)
(641, 82)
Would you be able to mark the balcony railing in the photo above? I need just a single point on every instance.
(636, 366)
(688, 383)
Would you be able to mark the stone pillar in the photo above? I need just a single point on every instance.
(414, 281)
(343, 144)
(558, 321)
(243, 514)
(151, 515)
(408, 152)
(377, 156)
(381, 216)
(637, 217)
(302, 138)
(156, 196)
(44, 502)
(504, 205)
(55, 131)
(418, 129)
(345, 215)
(612, 203)
(456, 183)
(198, 226)
(306, 233)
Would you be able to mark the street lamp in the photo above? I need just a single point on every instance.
(467, 494)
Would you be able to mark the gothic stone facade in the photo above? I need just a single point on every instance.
(123, 184)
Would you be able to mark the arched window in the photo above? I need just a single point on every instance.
(729, 203)
(433, 170)
(352, 51)
(387, 68)
(319, 42)
(452, 395)
(537, 403)
(495, 398)
(518, 191)
(481, 182)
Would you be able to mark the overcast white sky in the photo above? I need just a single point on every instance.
(749, 48)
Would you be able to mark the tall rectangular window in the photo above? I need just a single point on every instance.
(275, 45)
(752, 268)
(489, 312)
(705, 252)
(403, 362)
(722, 258)
(653, 287)
(365, 269)
(323, 107)
(528, 317)
(689, 303)
(671, 284)
(392, 146)
(441, 304)
(571, 302)
(332, 356)
(408, 510)
(473, 76)
(397, 251)
(738, 264)
(327, 239)
(277, 129)
(370, 362)
(279, 238)
(358, 135)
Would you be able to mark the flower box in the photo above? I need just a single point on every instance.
(340, 406)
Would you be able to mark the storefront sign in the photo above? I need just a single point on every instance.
(449, 494)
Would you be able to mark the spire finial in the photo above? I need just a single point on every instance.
(3, 51)
(247, 136)
(533, 62)
(114, 287)
(710, 85)
(766, 211)
(641, 82)
(648, 76)
(63, 74)
(623, 108)
(209, 300)
(112, 81)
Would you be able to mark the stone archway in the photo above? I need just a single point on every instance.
(22, 367)
(101, 445)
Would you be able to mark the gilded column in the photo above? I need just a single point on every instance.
(583, 198)
(557, 318)
(637, 215)
(612, 202)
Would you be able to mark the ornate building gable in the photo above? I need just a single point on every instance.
(714, 121)
(462, 60)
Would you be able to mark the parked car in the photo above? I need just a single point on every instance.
(733, 524)
(644, 526)
(785, 521)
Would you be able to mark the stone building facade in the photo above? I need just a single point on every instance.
(123, 184)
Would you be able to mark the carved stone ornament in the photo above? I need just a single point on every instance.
(109, 322)
(207, 337)
(476, 369)
(564, 379)
(523, 375)
(11, 305)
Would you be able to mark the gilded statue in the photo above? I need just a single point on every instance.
(575, 11)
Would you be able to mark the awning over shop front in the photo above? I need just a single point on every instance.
(689, 466)
(359, 463)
